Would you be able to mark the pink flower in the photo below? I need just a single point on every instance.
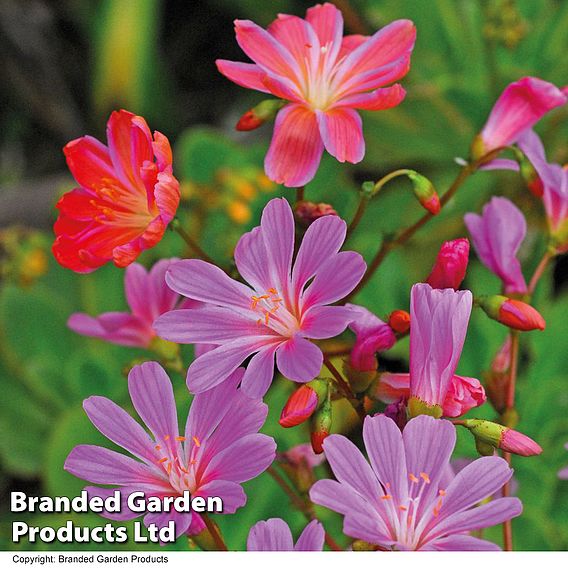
(127, 196)
(521, 105)
(518, 443)
(277, 313)
(372, 336)
(497, 235)
(275, 535)
(403, 500)
(451, 265)
(220, 449)
(326, 77)
(463, 394)
(439, 320)
(553, 179)
(301, 455)
(147, 295)
(301, 404)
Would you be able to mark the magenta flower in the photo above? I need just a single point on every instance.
(275, 535)
(277, 313)
(147, 295)
(220, 449)
(463, 394)
(563, 473)
(451, 265)
(553, 180)
(497, 235)
(439, 320)
(521, 105)
(401, 501)
(372, 336)
(325, 77)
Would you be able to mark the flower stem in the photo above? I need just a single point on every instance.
(363, 200)
(304, 507)
(542, 265)
(214, 532)
(404, 236)
(300, 191)
(345, 388)
(190, 242)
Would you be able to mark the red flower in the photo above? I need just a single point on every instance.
(126, 197)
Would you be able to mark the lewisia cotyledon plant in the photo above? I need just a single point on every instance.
(126, 197)
(404, 500)
(277, 313)
(325, 77)
(148, 296)
(438, 326)
(275, 535)
(220, 448)
(497, 235)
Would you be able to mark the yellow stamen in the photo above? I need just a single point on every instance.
(162, 460)
(425, 477)
(180, 438)
(196, 441)
(413, 478)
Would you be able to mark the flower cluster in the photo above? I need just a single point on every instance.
(287, 303)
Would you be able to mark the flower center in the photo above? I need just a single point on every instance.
(319, 68)
(274, 313)
(181, 471)
(407, 522)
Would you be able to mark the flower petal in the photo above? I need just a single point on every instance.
(379, 99)
(231, 493)
(335, 279)
(265, 50)
(322, 240)
(152, 395)
(246, 75)
(118, 426)
(312, 537)
(252, 260)
(259, 373)
(270, 535)
(206, 282)
(321, 322)
(299, 360)
(383, 441)
(296, 148)
(210, 324)
(115, 327)
(462, 542)
(89, 162)
(101, 465)
(246, 458)
(342, 134)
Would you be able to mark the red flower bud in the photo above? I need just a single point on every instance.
(300, 406)
(512, 313)
(249, 121)
(425, 192)
(451, 265)
(516, 443)
(399, 320)
(521, 316)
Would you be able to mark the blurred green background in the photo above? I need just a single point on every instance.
(67, 64)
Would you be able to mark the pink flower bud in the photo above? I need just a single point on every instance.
(451, 265)
(249, 121)
(517, 443)
(300, 406)
(464, 394)
(307, 212)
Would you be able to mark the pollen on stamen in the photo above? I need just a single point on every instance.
(403, 507)
(162, 460)
(386, 497)
(166, 437)
(158, 447)
(180, 438)
(196, 441)
(169, 468)
(425, 477)
(442, 492)
(413, 478)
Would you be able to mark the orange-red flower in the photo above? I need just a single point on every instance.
(126, 197)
